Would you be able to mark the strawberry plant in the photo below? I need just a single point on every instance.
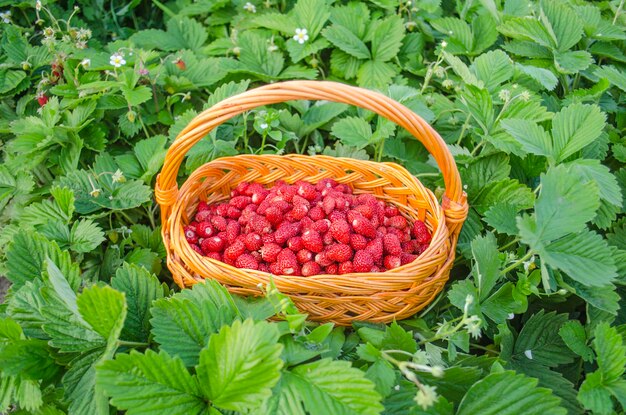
(528, 95)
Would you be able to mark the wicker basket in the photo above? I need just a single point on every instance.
(376, 297)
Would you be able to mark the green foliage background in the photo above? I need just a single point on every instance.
(529, 97)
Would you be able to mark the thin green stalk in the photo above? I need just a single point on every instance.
(517, 263)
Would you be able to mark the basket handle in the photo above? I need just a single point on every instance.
(454, 200)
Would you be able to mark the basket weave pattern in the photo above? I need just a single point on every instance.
(377, 297)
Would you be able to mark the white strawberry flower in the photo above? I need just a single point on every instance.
(301, 36)
(85, 63)
(426, 396)
(249, 7)
(6, 16)
(117, 60)
(38, 5)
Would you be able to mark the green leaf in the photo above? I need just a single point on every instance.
(383, 376)
(503, 191)
(334, 387)
(584, 256)
(573, 61)
(506, 393)
(387, 38)
(104, 309)
(80, 385)
(85, 236)
(592, 170)
(576, 126)
(539, 338)
(353, 131)
(347, 41)
(493, 68)
(613, 75)
(311, 14)
(136, 96)
(501, 217)
(594, 396)
(574, 336)
(150, 384)
(546, 78)
(528, 29)
(460, 37)
(396, 338)
(141, 289)
(375, 74)
(241, 365)
(610, 351)
(463, 71)
(487, 264)
(182, 324)
(182, 33)
(562, 23)
(533, 138)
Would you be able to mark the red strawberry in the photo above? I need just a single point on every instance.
(375, 268)
(327, 238)
(362, 261)
(325, 184)
(336, 215)
(346, 268)
(304, 255)
(246, 261)
(240, 202)
(407, 258)
(321, 225)
(203, 216)
(421, 232)
(268, 238)
(202, 206)
(340, 230)
(256, 255)
(215, 255)
(241, 189)
(180, 64)
(264, 267)
(222, 209)
(260, 224)
(396, 222)
(287, 262)
(274, 215)
(253, 241)
(366, 199)
(391, 211)
(358, 242)
(311, 268)
(306, 190)
(270, 251)
(295, 243)
(233, 229)
(233, 251)
(316, 213)
(190, 234)
(219, 223)
(312, 240)
(392, 244)
(299, 211)
(361, 225)
(409, 247)
(258, 195)
(204, 230)
(233, 212)
(285, 231)
(42, 99)
(332, 269)
(263, 206)
(339, 252)
(322, 259)
(366, 210)
(328, 204)
(343, 188)
(392, 261)
(421, 248)
(196, 248)
(375, 248)
(306, 223)
(213, 244)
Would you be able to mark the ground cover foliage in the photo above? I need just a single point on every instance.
(529, 97)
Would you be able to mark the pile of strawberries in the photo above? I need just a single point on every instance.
(306, 229)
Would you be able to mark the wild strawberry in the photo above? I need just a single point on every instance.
(287, 262)
(421, 248)
(246, 261)
(214, 255)
(332, 269)
(240, 202)
(365, 210)
(283, 205)
(222, 209)
(311, 268)
(274, 215)
(180, 64)
(391, 211)
(270, 251)
(233, 212)
(202, 206)
(392, 261)
(341, 203)
(361, 225)
(264, 267)
(328, 204)
(375, 248)
(312, 240)
(263, 206)
(336, 215)
(375, 268)
(196, 248)
(339, 252)
(203, 216)
(190, 234)
(241, 189)
(246, 214)
(362, 261)
(219, 223)
(392, 244)
(306, 223)
(397, 221)
(407, 258)
(299, 211)
(204, 230)
(322, 225)
(212, 244)
(259, 195)
(322, 259)
(409, 247)
(327, 239)
(316, 213)
(253, 241)
(285, 231)
(233, 251)
(295, 243)
(304, 255)
(340, 230)
(233, 229)
(256, 255)
(325, 184)
(343, 188)
(420, 232)
(306, 190)
(260, 224)
(358, 242)
(346, 268)
(42, 99)
(268, 238)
